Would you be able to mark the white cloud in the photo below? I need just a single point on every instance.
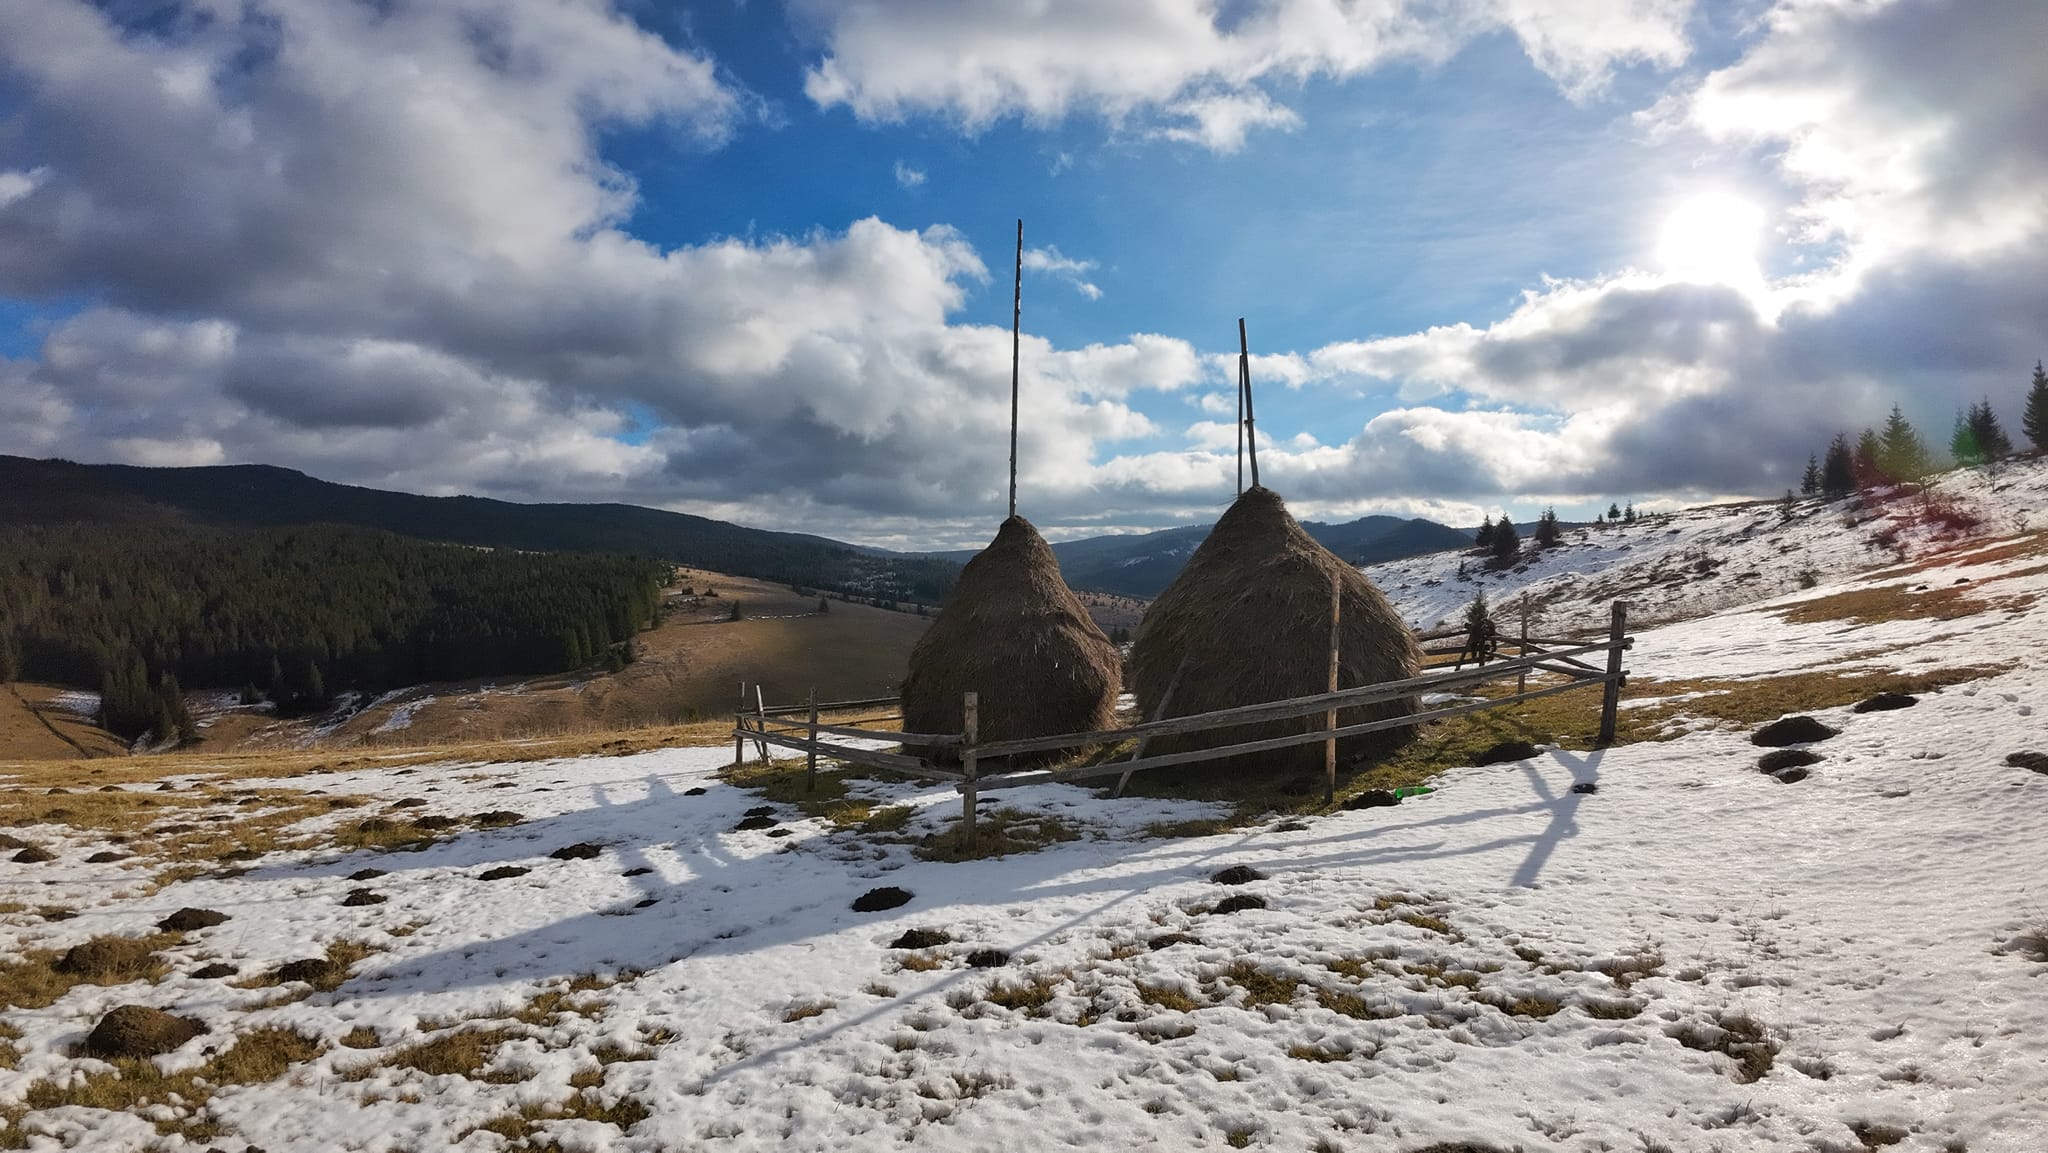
(980, 60)
(1050, 261)
(1222, 120)
(907, 176)
(17, 185)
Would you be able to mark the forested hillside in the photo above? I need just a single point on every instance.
(57, 491)
(297, 613)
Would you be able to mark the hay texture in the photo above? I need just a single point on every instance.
(1016, 634)
(1250, 616)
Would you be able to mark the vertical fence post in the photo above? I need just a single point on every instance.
(1330, 717)
(761, 724)
(1522, 678)
(1610, 697)
(970, 711)
(739, 725)
(811, 754)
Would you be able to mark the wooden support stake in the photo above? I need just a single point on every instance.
(970, 711)
(1251, 420)
(739, 724)
(1240, 430)
(1016, 331)
(1610, 699)
(811, 754)
(1165, 702)
(761, 710)
(1330, 718)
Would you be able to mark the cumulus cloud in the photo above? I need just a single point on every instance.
(380, 243)
(1187, 60)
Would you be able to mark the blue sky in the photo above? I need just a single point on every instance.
(752, 260)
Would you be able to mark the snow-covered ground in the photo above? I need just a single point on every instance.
(1586, 951)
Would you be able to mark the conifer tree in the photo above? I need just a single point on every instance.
(1484, 538)
(1480, 629)
(1863, 460)
(1547, 530)
(1901, 456)
(1809, 481)
(1507, 542)
(1628, 515)
(1992, 443)
(1838, 469)
(1613, 512)
(2034, 417)
(1962, 442)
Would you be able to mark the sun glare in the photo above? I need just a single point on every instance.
(1713, 239)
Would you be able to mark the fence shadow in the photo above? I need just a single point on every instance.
(702, 890)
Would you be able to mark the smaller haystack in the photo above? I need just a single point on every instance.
(1248, 620)
(1016, 634)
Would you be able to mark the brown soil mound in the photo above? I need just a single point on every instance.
(139, 1031)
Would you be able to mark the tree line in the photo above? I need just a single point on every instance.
(297, 614)
(1897, 454)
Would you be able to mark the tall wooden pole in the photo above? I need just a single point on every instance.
(1240, 425)
(811, 754)
(1016, 337)
(1330, 718)
(1251, 421)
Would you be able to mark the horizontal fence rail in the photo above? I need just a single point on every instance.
(798, 727)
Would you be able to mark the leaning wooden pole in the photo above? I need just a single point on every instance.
(1016, 339)
(1244, 377)
(1610, 697)
(1240, 425)
(970, 732)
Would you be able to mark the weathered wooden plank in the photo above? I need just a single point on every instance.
(926, 740)
(874, 758)
(1192, 756)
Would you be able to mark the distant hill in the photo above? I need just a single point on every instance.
(57, 491)
(1142, 565)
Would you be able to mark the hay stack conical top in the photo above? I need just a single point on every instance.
(1017, 635)
(1248, 621)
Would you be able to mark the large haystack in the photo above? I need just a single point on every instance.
(1250, 616)
(1016, 634)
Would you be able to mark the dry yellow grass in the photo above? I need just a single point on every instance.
(256, 1057)
(38, 977)
(463, 1053)
(1895, 602)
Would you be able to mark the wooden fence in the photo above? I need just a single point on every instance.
(798, 727)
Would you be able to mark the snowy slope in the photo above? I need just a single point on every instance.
(1700, 560)
(1505, 961)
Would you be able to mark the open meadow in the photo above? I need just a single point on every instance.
(1649, 946)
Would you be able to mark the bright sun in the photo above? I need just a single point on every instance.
(1712, 239)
